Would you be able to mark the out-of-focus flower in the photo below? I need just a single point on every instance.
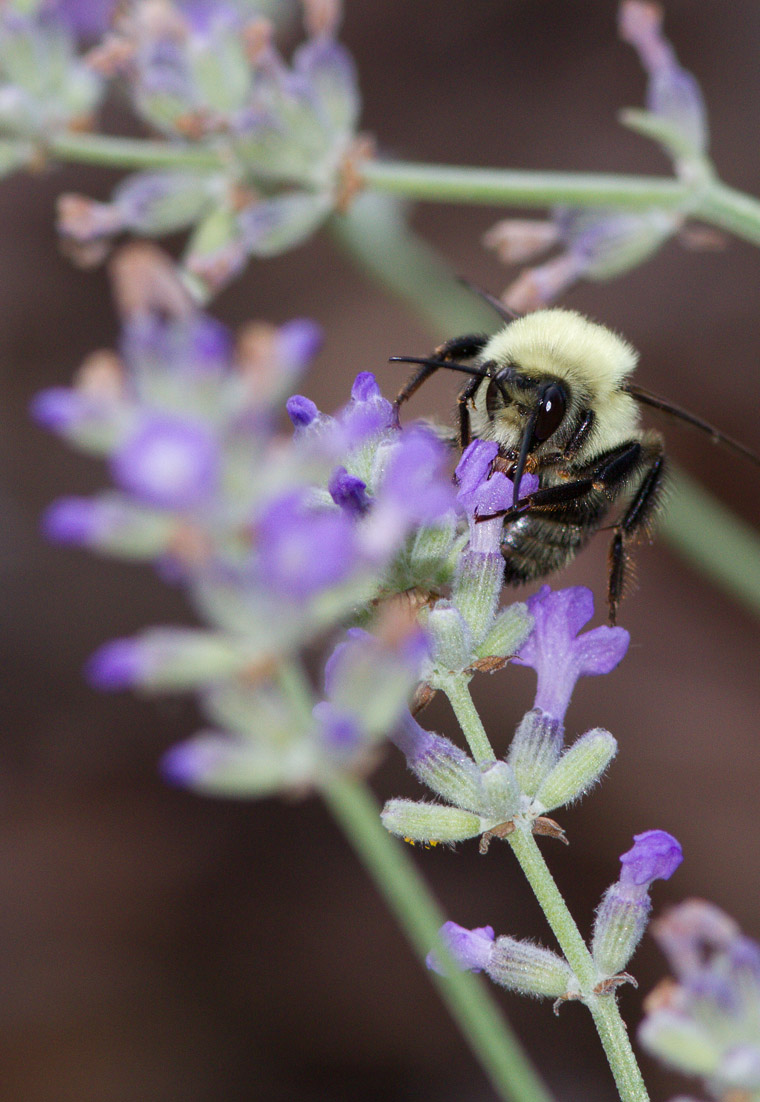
(624, 910)
(45, 88)
(704, 1021)
(283, 136)
(278, 537)
(602, 243)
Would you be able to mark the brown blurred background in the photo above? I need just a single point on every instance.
(160, 946)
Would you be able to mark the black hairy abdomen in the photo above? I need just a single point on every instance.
(536, 545)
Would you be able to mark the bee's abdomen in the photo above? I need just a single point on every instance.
(535, 546)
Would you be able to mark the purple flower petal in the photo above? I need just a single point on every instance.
(120, 664)
(302, 549)
(367, 414)
(471, 949)
(168, 462)
(298, 342)
(349, 492)
(655, 856)
(341, 731)
(72, 520)
(558, 654)
(415, 479)
(301, 411)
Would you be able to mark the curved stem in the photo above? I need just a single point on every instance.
(604, 1008)
(468, 1001)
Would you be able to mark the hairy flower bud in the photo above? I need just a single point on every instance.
(624, 910)
(580, 767)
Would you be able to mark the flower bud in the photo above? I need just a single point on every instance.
(220, 765)
(509, 630)
(501, 792)
(424, 822)
(683, 1043)
(477, 588)
(535, 749)
(451, 638)
(624, 911)
(441, 765)
(165, 659)
(109, 523)
(578, 769)
(471, 949)
(530, 969)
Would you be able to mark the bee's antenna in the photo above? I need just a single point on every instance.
(501, 308)
(439, 363)
(648, 399)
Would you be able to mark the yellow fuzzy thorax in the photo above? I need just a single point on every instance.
(567, 345)
(592, 359)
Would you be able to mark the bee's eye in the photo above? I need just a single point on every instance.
(551, 410)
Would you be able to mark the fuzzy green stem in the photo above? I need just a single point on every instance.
(407, 896)
(730, 557)
(457, 690)
(132, 153)
(497, 186)
(604, 1008)
(730, 210)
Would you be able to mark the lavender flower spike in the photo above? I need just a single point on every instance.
(470, 949)
(556, 651)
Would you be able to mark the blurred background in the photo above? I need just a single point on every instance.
(156, 945)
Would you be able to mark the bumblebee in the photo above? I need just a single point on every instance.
(552, 389)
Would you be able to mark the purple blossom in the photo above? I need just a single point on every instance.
(673, 94)
(196, 346)
(713, 1003)
(169, 462)
(655, 856)
(349, 492)
(415, 479)
(471, 949)
(120, 664)
(368, 414)
(482, 493)
(301, 411)
(556, 651)
(341, 731)
(298, 342)
(60, 407)
(303, 548)
(85, 18)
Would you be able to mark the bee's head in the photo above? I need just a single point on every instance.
(526, 414)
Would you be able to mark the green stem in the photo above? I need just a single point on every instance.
(102, 149)
(731, 555)
(730, 210)
(407, 896)
(461, 184)
(457, 690)
(604, 1008)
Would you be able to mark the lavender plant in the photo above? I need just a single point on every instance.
(347, 536)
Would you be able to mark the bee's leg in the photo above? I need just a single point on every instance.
(635, 520)
(459, 348)
(598, 483)
(468, 392)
